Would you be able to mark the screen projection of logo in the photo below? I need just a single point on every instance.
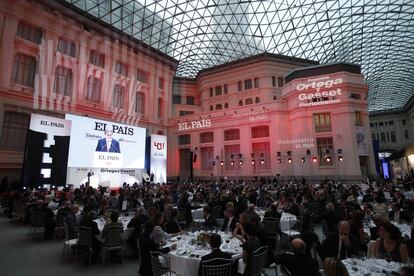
(103, 144)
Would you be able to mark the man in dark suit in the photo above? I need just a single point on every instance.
(137, 222)
(172, 226)
(108, 144)
(230, 221)
(338, 244)
(273, 213)
(209, 220)
(146, 245)
(215, 242)
(292, 207)
(298, 263)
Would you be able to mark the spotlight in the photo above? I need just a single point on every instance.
(253, 162)
(221, 163)
(24, 188)
(261, 155)
(314, 159)
(290, 160)
(241, 162)
(340, 158)
(232, 162)
(339, 151)
(303, 159)
(279, 160)
(328, 159)
(262, 161)
(279, 153)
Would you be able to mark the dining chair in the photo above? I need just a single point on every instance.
(113, 242)
(259, 259)
(217, 267)
(68, 243)
(84, 242)
(160, 264)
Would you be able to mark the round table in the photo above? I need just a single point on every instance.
(185, 260)
(373, 267)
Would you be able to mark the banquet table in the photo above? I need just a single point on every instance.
(197, 213)
(123, 219)
(287, 221)
(404, 228)
(185, 260)
(371, 267)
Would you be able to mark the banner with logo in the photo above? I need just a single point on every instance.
(46, 153)
(158, 161)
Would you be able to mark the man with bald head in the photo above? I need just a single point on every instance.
(297, 262)
(338, 244)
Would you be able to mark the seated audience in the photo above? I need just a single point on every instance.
(334, 267)
(338, 244)
(209, 220)
(215, 243)
(298, 263)
(389, 245)
(72, 221)
(230, 221)
(172, 226)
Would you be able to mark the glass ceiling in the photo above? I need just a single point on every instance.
(377, 34)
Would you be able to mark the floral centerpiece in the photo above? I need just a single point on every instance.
(202, 239)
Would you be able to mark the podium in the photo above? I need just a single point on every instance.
(107, 160)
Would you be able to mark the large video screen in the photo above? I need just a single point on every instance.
(103, 144)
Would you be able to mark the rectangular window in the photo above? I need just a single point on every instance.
(381, 124)
(280, 82)
(358, 118)
(393, 137)
(142, 76)
(184, 139)
(161, 83)
(248, 84)
(388, 137)
(322, 122)
(24, 70)
(231, 134)
(63, 81)
(66, 47)
(406, 135)
(93, 92)
(211, 92)
(218, 90)
(140, 102)
(231, 153)
(373, 136)
(29, 32)
(391, 123)
(121, 68)
(97, 59)
(261, 155)
(176, 99)
(14, 131)
(355, 96)
(119, 96)
(190, 100)
(256, 83)
(325, 151)
(260, 131)
(207, 137)
(273, 81)
(185, 112)
(226, 89)
(207, 158)
(383, 137)
(240, 86)
(404, 122)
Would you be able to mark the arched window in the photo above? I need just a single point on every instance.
(241, 103)
(226, 105)
(211, 108)
(257, 100)
(140, 102)
(219, 107)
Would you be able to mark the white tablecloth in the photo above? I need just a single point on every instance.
(372, 267)
(125, 220)
(287, 221)
(185, 260)
(197, 213)
(404, 228)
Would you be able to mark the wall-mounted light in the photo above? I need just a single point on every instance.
(279, 160)
(340, 158)
(253, 162)
(231, 162)
(262, 161)
(303, 159)
(289, 153)
(308, 152)
(314, 159)
(241, 162)
(221, 163)
(290, 160)
(278, 153)
(328, 159)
